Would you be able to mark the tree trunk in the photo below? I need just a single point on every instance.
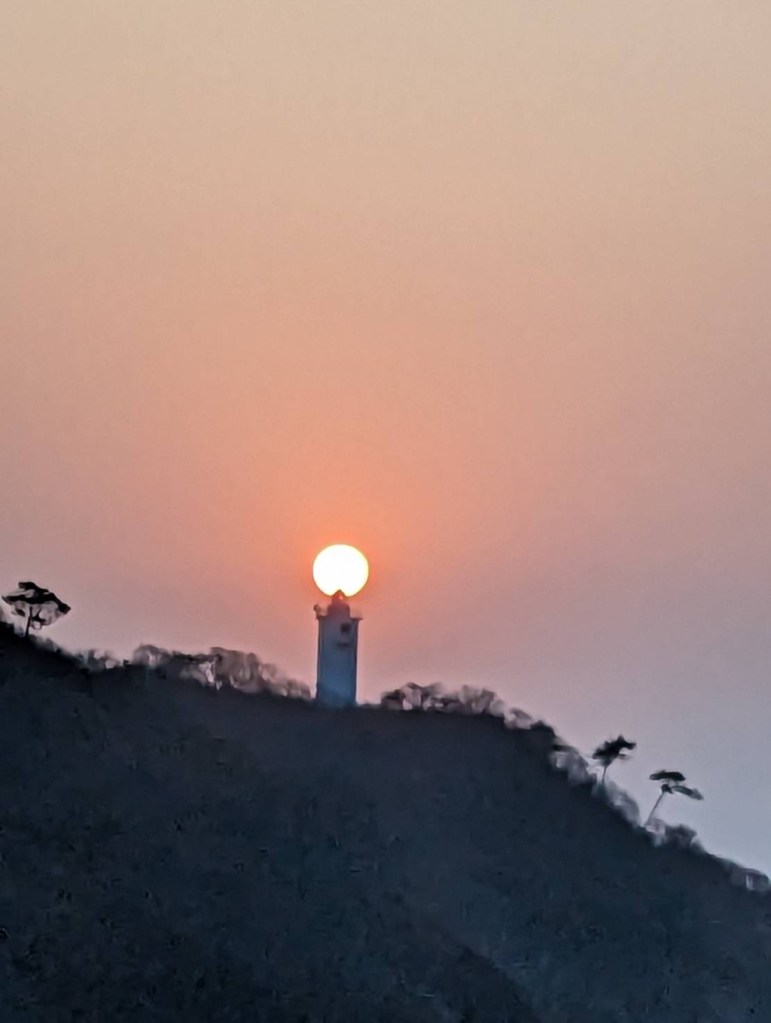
(654, 809)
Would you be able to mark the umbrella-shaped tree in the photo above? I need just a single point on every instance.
(670, 782)
(610, 751)
(37, 605)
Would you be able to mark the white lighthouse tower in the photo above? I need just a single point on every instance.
(337, 655)
(339, 571)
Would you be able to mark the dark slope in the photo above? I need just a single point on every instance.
(171, 853)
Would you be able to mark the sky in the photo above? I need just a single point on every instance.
(479, 287)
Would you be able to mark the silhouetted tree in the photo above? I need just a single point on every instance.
(219, 667)
(413, 697)
(94, 660)
(36, 604)
(610, 751)
(468, 700)
(671, 781)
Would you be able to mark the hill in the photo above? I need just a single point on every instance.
(172, 852)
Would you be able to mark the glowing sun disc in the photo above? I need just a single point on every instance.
(340, 567)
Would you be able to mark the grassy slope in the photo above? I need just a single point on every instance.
(167, 852)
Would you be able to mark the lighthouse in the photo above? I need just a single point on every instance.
(339, 572)
(337, 652)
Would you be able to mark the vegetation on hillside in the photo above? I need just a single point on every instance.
(178, 843)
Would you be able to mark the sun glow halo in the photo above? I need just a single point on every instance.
(340, 567)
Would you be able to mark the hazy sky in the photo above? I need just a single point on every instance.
(481, 286)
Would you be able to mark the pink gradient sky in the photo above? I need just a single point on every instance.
(482, 288)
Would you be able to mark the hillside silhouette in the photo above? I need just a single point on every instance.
(170, 851)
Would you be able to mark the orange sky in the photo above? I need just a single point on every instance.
(481, 288)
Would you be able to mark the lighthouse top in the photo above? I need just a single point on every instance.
(338, 607)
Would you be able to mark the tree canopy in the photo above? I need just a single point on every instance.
(38, 605)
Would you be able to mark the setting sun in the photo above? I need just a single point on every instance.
(340, 567)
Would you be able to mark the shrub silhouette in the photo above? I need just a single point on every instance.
(671, 781)
(610, 751)
(468, 700)
(221, 667)
(36, 604)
